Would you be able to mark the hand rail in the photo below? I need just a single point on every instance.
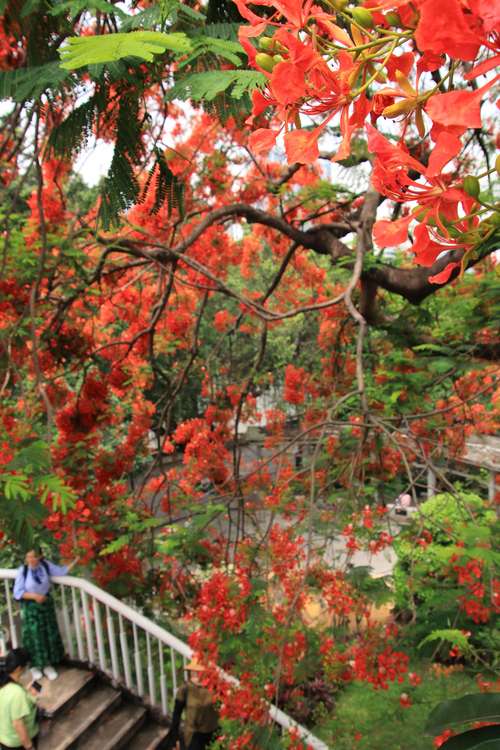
(118, 606)
(100, 646)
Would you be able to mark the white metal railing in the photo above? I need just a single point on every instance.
(135, 652)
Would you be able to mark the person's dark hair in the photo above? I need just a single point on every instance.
(17, 657)
(34, 548)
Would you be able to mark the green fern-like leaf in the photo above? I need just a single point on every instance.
(25, 485)
(121, 189)
(146, 19)
(30, 83)
(21, 525)
(223, 107)
(116, 545)
(74, 7)
(205, 45)
(74, 132)
(90, 50)
(246, 84)
(15, 487)
(190, 14)
(168, 188)
(206, 86)
(62, 496)
(450, 635)
(223, 30)
(34, 456)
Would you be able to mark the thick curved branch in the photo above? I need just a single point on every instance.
(156, 252)
(311, 238)
(411, 283)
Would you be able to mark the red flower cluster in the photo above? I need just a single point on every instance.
(320, 63)
(378, 667)
(478, 604)
(295, 383)
(222, 603)
(81, 415)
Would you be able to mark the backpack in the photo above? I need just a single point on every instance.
(44, 564)
(25, 573)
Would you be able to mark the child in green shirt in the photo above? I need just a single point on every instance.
(18, 712)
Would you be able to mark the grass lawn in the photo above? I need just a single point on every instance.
(368, 719)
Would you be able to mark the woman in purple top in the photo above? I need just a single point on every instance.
(40, 633)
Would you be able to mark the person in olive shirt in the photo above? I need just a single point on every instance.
(201, 716)
(18, 711)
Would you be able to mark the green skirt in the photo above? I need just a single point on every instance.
(40, 633)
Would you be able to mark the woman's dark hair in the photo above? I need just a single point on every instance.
(34, 548)
(17, 657)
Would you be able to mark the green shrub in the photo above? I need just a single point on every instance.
(450, 530)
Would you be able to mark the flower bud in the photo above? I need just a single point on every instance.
(278, 58)
(265, 61)
(363, 17)
(339, 4)
(471, 186)
(497, 165)
(266, 43)
(402, 107)
(393, 19)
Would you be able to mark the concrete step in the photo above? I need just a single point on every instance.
(66, 729)
(115, 730)
(59, 695)
(149, 737)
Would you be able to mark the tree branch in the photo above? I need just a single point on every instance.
(411, 283)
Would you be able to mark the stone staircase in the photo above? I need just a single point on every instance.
(86, 713)
(116, 654)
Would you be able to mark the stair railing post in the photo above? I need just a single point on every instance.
(99, 635)
(138, 663)
(173, 667)
(10, 614)
(67, 628)
(125, 654)
(151, 671)
(163, 680)
(78, 625)
(88, 628)
(112, 645)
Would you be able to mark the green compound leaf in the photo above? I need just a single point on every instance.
(91, 50)
(451, 635)
(30, 83)
(74, 7)
(15, 487)
(205, 45)
(206, 86)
